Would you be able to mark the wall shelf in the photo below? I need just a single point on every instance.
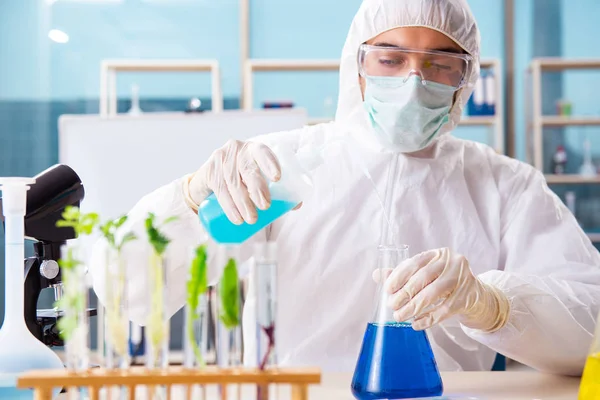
(255, 65)
(561, 64)
(109, 69)
(479, 121)
(536, 121)
(570, 121)
(572, 179)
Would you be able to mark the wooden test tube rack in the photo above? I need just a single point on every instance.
(43, 382)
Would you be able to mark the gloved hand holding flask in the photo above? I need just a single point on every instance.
(252, 186)
(438, 284)
(236, 173)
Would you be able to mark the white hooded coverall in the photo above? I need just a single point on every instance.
(498, 212)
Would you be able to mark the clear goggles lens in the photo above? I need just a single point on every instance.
(445, 68)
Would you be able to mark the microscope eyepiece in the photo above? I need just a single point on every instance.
(54, 189)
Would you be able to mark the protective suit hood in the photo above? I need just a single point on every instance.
(450, 17)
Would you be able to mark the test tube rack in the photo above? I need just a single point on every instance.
(43, 382)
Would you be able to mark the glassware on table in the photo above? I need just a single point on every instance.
(395, 361)
(157, 330)
(115, 313)
(229, 332)
(195, 332)
(265, 295)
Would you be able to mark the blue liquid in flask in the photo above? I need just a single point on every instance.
(395, 362)
(218, 226)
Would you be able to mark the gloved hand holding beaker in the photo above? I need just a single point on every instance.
(236, 173)
(437, 284)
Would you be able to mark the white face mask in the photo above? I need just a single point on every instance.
(407, 116)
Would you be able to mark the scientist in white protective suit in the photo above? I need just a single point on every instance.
(499, 264)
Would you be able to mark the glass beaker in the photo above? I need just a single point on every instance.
(590, 381)
(294, 186)
(395, 361)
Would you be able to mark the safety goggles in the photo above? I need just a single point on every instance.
(435, 66)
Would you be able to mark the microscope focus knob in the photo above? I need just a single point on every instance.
(49, 269)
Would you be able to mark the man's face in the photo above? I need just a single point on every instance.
(413, 38)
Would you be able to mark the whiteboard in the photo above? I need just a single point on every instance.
(121, 159)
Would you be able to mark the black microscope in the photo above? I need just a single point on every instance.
(54, 190)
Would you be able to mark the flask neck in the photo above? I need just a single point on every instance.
(389, 258)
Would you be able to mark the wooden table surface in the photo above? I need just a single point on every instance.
(474, 385)
(457, 386)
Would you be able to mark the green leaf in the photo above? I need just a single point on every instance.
(81, 223)
(229, 293)
(121, 221)
(156, 238)
(109, 231)
(196, 286)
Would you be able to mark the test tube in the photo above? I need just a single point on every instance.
(157, 330)
(195, 332)
(265, 285)
(117, 319)
(75, 322)
(265, 294)
(229, 332)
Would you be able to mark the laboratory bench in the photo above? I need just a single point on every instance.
(473, 385)
(520, 385)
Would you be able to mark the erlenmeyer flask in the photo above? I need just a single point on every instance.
(395, 361)
(590, 381)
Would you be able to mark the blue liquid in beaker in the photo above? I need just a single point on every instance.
(395, 362)
(218, 226)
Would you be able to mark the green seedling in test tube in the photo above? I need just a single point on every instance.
(116, 324)
(229, 293)
(82, 224)
(159, 243)
(196, 287)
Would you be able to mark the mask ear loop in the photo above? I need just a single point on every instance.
(457, 96)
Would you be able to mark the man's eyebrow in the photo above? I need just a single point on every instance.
(443, 49)
(385, 44)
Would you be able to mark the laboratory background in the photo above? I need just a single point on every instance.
(116, 88)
